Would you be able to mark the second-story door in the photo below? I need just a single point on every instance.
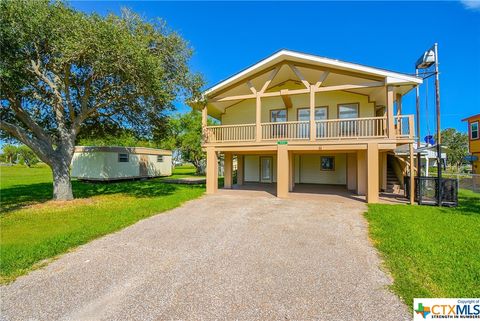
(266, 169)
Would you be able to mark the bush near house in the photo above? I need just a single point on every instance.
(34, 228)
(430, 251)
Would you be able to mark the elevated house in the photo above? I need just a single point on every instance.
(474, 141)
(296, 118)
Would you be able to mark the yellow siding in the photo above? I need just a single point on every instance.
(244, 112)
(474, 145)
(310, 170)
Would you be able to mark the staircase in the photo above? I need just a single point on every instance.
(393, 184)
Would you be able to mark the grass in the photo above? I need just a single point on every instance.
(184, 171)
(34, 229)
(430, 251)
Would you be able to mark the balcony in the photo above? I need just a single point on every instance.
(330, 129)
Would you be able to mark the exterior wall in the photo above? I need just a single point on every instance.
(244, 112)
(310, 172)
(251, 165)
(105, 166)
(474, 145)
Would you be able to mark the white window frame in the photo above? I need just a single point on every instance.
(477, 136)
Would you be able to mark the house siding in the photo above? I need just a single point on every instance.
(244, 112)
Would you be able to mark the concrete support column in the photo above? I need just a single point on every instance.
(427, 166)
(212, 170)
(282, 171)
(383, 171)
(352, 171)
(361, 172)
(291, 170)
(239, 169)
(372, 173)
(228, 170)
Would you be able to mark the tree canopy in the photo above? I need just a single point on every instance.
(63, 73)
(457, 146)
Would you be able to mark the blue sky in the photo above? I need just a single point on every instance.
(228, 36)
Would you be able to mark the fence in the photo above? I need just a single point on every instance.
(427, 190)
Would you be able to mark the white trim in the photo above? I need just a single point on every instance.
(391, 77)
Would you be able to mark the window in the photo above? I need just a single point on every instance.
(123, 158)
(304, 113)
(327, 163)
(160, 159)
(278, 115)
(474, 130)
(347, 111)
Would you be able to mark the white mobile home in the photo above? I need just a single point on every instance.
(116, 163)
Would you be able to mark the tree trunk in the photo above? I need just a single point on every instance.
(62, 186)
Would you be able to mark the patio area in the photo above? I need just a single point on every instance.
(321, 192)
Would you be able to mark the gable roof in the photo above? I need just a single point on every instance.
(471, 117)
(391, 77)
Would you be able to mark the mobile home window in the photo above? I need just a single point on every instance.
(348, 111)
(474, 130)
(160, 159)
(123, 158)
(327, 163)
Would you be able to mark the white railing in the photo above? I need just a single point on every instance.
(230, 133)
(290, 130)
(404, 126)
(371, 127)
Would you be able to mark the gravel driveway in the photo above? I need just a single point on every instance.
(235, 255)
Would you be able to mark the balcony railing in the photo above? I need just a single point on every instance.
(330, 129)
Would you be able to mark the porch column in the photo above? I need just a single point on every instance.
(227, 169)
(204, 122)
(212, 170)
(390, 119)
(351, 171)
(372, 173)
(258, 118)
(361, 172)
(239, 169)
(282, 171)
(412, 175)
(291, 171)
(427, 166)
(312, 114)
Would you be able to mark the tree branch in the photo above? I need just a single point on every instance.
(28, 121)
(43, 151)
(66, 83)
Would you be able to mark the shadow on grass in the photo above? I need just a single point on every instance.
(469, 204)
(18, 196)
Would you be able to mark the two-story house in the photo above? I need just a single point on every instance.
(295, 118)
(474, 140)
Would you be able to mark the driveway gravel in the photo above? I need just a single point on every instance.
(235, 255)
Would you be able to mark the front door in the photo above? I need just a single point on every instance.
(266, 169)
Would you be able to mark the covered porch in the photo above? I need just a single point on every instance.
(291, 171)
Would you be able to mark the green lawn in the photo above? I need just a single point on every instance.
(34, 229)
(430, 251)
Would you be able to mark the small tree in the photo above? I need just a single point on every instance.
(457, 147)
(27, 156)
(10, 152)
(185, 135)
(62, 71)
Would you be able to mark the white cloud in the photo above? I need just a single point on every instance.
(471, 4)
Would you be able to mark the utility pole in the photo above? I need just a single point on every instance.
(417, 101)
(439, 139)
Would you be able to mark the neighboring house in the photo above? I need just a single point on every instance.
(428, 155)
(116, 163)
(474, 140)
(296, 118)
